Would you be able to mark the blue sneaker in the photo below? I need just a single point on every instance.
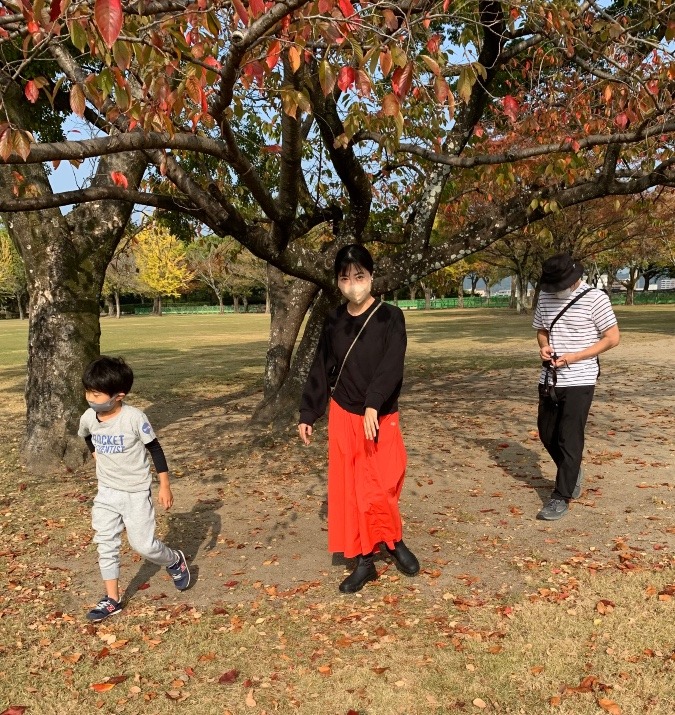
(179, 572)
(105, 608)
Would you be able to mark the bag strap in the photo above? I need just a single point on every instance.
(560, 314)
(569, 305)
(358, 335)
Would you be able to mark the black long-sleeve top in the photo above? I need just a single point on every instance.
(373, 373)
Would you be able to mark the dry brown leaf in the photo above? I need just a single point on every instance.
(325, 669)
(250, 700)
(555, 700)
(609, 706)
(480, 703)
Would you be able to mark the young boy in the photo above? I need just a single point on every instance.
(119, 437)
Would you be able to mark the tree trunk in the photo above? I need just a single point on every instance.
(460, 295)
(110, 305)
(413, 292)
(118, 307)
(513, 302)
(221, 304)
(235, 303)
(427, 298)
(290, 299)
(20, 305)
(66, 259)
(281, 409)
(244, 302)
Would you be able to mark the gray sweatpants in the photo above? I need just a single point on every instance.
(114, 511)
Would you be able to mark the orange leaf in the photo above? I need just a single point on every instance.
(77, 100)
(609, 706)
(102, 687)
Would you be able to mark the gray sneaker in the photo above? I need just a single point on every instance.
(580, 481)
(555, 509)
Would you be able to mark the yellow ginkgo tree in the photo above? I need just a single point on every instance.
(162, 265)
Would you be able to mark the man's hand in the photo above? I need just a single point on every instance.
(545, 352)
(164, 496)
(305, 432)
(370, 423)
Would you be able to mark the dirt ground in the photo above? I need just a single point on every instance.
(250, 510)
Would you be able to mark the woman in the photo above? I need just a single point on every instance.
(362, 349)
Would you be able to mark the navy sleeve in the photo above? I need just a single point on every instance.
(157, 454)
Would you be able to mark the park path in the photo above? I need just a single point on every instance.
(250, 510)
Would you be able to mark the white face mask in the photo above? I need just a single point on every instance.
(562, 294)
(357, 293)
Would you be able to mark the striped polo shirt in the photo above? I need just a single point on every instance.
(581, 326)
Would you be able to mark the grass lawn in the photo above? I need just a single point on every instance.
(509, 615)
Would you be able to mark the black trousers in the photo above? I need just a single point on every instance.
(561, 423)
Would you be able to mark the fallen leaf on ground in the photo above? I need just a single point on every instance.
(609, 706)
(250, 700)
(229, 677)
(480, 703)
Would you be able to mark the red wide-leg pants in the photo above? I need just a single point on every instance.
(364, 483)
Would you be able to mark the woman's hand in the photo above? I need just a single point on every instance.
(370, 423)
(305, 432)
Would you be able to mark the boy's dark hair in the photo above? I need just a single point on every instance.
(108, 375)
(352, 255)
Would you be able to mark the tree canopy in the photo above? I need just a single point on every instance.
(261, 119)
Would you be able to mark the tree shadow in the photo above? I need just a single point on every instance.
(188, 531)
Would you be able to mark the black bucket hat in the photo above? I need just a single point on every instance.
(560, 272)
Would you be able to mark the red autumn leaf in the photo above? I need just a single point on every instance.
(347, 8)
(257, 7)
(273, 54)
(145, 585)
(446, 5)
(386, 62)
(119, 179)
(325, 6)
(434, 44)
(102, 687)
(346, 78)
(511, 107)
(55, 10)
(402, 80)
(441, 90)
(77, 101)
(31, 91)
(230, 584)
(108, 16)
(621, 121)
(241, 11)
(229, 677)
(15, 710)
(270, 149)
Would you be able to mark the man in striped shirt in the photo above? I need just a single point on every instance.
(574, 324)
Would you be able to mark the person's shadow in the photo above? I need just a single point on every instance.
(188, 530)
(521, 464)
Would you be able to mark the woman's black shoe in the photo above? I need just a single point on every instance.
(406, 561)
(365, 571)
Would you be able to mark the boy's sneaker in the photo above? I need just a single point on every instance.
(179, 572)
(105, 608)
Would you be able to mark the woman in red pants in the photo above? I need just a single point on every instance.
(360, 359)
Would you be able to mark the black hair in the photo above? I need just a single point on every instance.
(108, 375)
(353, 255)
